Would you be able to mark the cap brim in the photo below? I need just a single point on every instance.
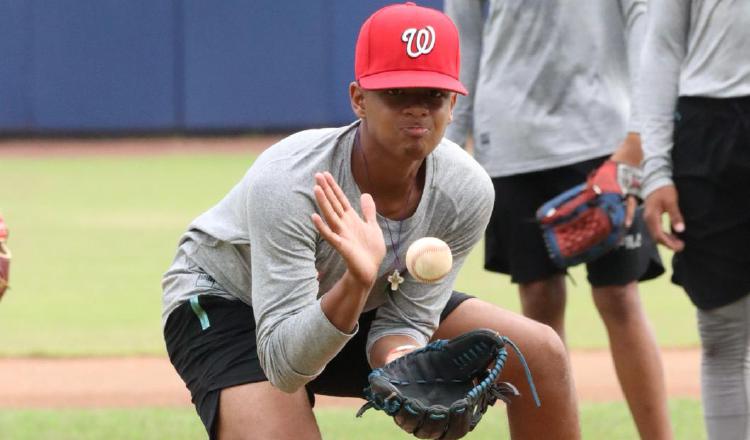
(411, 79)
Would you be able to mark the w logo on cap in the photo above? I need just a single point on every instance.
(419, 42)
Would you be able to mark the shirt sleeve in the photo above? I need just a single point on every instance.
(295, 340)
(468, 17)
(664, 50)
(634, 20)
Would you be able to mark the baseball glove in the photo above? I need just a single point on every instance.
(442, 390)
(588, 220)
(4, 257)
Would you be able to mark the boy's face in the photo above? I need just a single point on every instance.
(408, 122)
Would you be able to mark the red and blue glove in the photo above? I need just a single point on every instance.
(588, 220)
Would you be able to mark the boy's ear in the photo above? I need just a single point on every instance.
(453, 105)
(357, 99)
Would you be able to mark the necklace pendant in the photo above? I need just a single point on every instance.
(395, 279)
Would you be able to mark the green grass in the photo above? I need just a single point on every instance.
(667, 306)
(90, 239)
(92, 236)
(599, 421)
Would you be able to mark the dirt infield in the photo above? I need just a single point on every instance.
(135, 146)
(151, 381)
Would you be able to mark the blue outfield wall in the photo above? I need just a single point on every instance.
(139, 66)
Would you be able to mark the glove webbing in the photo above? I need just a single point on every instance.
(391, 407)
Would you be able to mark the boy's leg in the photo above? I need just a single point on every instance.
(271, 414)
(725, 369)
(636, 358)
(544, 301)
(545, 353)
(711, 171)
(211, 343)
(514, 243)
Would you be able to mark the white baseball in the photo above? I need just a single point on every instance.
(429, 259)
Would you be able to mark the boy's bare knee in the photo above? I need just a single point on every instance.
(545, 352)
(552, 345)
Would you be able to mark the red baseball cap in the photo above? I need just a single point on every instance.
(408, 46)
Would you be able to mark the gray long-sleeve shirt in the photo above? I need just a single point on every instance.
(260, 245)
(692, 48)
(548, 80)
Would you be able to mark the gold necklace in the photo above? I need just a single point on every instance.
(395, 278)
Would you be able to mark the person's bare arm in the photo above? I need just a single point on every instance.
(390, 347)
(629, 151)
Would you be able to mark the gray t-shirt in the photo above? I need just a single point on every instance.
(692, 48)
(261, 247)
(548, 80)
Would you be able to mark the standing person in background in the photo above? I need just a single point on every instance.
(696, 140)
(549, 85)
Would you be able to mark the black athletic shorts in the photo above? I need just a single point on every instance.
(514, 244)
(211, 343)
(711, 171)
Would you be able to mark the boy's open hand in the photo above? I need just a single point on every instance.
(358, 240)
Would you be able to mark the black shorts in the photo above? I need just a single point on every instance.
(711, 171)
(211, 343)
(514, 244)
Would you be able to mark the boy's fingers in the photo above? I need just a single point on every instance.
(340, 196)
(326, 209)
(678, 224)
(369, 211)
(324, 230)
(333, 200)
